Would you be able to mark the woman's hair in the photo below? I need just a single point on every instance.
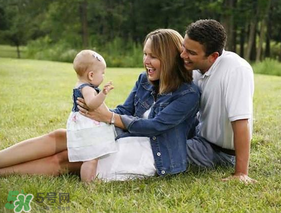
(208, 32)
(167, 47)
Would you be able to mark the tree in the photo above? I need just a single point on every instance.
(274, 32)
(227, 21)
(83, 6)
(252, 30)
(102, 24)
(265, 4)
(15, 23)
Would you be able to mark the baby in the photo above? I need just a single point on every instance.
(87, 139)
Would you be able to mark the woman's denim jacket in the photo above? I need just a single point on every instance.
(169, 122)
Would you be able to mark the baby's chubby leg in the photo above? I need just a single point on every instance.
(34, 148)
(88, 170)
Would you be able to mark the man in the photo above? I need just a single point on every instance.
(226, 112)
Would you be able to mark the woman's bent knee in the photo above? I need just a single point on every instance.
(58, 134)
(60, 158)
(59, 162)
(57, 140)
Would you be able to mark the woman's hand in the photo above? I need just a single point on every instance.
(82, 105)
(101, 114)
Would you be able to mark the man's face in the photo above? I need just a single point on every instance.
(194, 57)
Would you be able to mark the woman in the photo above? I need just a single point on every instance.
(155, 119)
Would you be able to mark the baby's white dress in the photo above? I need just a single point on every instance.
(88, 139)
(134, 159)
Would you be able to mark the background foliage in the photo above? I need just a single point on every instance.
(57, 29)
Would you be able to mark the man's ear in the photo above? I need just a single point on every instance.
(213, 57)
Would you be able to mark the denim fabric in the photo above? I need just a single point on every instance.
(78, 94)
(170, 121)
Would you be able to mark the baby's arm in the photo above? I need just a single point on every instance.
(93, 99)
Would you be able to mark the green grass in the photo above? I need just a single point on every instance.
(268, 67)
(36, 98)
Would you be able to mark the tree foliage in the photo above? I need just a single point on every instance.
(117, 28)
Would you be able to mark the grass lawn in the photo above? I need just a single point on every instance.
(7, 51)
(35, 98)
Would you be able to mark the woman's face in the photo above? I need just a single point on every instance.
(150, 62)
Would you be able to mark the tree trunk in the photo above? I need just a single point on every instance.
(234, 42)
(267, 42)
(280, 55)
(263, 31)
(84, 23)
(242, 42)
(252, 38)
(18, 51)
(228, 23)
(261, 40)
(254, 47)
(269, 30)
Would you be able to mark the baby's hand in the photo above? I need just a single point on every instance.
(107, 87)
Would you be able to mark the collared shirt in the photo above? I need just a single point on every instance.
(227, 95)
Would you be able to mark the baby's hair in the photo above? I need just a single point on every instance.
(85, 59)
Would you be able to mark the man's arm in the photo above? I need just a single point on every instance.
(242, 142)
(242, 146)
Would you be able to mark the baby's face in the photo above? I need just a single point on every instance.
(98, 73)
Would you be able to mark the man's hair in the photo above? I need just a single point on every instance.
(167, 47)
(208, 32)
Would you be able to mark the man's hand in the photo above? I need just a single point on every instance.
(241, 177)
